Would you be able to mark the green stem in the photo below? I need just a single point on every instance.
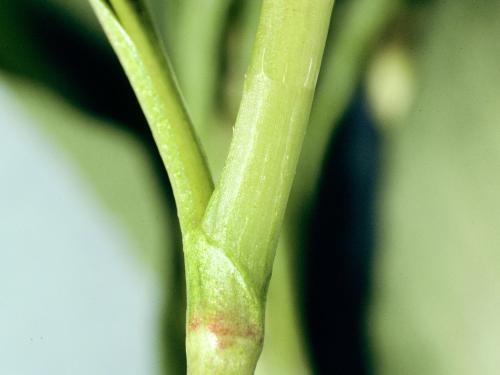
(229, 258)
(141, 54)
(253, 192)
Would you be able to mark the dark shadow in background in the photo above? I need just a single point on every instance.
(39, 43)
(340, 249)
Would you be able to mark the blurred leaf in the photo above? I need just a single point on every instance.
(284, 345)
(197, 54)
(437, 293)
(356, 30)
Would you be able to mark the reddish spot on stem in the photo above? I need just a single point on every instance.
(193, 324)
(222, 327)
(227, 330)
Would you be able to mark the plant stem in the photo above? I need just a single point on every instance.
(132, 36)
(229, 245)
(229, 258)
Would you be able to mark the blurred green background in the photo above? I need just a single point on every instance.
(389, 261)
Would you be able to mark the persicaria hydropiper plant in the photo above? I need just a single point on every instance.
(229, 231)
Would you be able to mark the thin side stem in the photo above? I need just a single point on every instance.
(131, 34)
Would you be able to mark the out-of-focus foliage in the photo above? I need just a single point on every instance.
(437, 280)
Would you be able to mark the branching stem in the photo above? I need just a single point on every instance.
(230, 236)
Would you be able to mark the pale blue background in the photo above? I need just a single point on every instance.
(73, 299)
